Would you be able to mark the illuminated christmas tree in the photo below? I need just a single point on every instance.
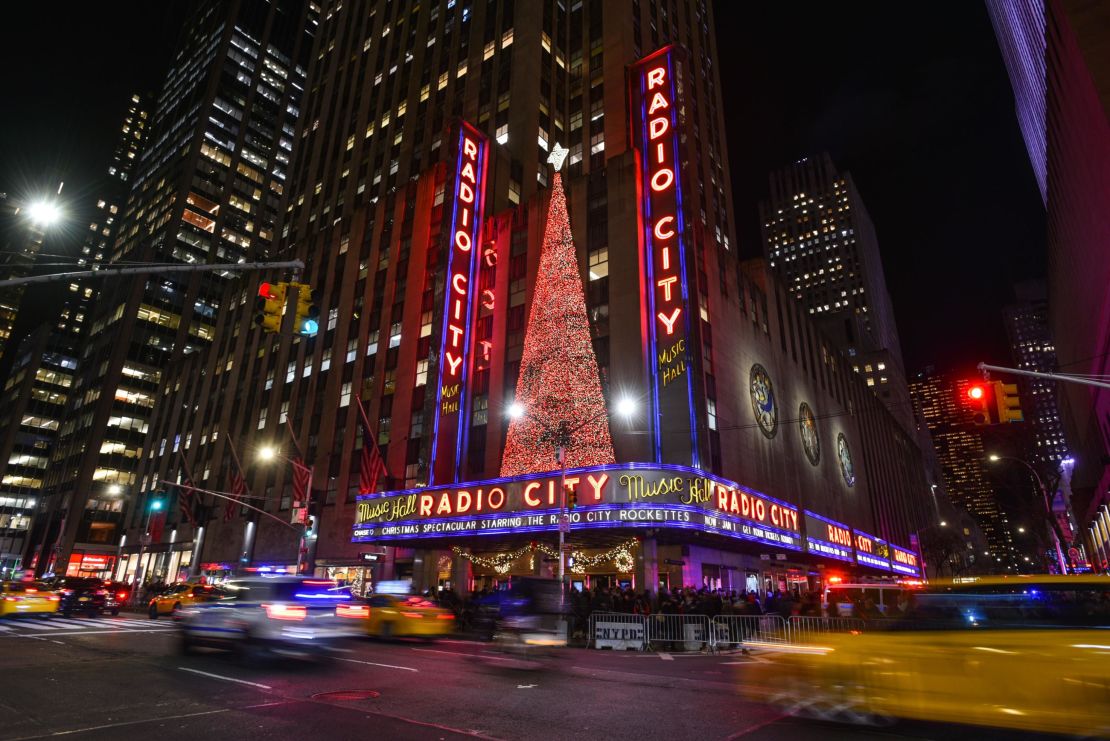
(559, 389)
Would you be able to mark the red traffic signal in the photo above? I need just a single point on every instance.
(976, 393)
(266, 291)
(980, 401)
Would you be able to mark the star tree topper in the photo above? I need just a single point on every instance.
(558, 154)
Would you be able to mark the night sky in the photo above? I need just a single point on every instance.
(916, 106)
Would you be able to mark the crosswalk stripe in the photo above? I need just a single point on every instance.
(5, 628)
(133, 623)
(40, 625)
(74, 623)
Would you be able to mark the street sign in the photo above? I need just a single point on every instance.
(764, 556)
(370, 557)
(780, 556)
(299, 515)
(564, 524)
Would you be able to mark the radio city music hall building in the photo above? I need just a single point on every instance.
(421, 212)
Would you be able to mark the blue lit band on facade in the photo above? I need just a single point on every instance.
(871, 551)
(904, 561)
(826, 537)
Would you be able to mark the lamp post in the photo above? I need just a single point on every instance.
(267, 454)
(155, 505)
(994, 458)
(562, 437)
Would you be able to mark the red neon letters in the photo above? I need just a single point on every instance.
(660, 175)
(463, 242)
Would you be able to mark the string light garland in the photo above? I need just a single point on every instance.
(559, 381)
(621, 556)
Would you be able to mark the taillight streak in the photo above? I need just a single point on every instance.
(285, 612)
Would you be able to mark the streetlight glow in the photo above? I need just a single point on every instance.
(267, 453)
(626, 407)
(115, 489)
(994, 457)
(43, 213)
(1021, 530)
(516, 411)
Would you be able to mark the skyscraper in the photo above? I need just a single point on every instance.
(207, 188)
(418, 199)
(1031, 345)
(819, 238)
(940, 401)
(1058, 56)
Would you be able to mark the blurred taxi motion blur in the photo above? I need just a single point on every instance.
(27, 598)
(181, 595)
(1028, 653)
(399, 616)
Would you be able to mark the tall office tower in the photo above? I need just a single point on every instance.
(819, 238)
(1068, 47)
(1032, 348)
(940, 400)
(419, 200)
(1020, 28)
(207, 189)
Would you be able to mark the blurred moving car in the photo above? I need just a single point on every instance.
(119, 592)
(846, 597)
(264, 616)
(399, 616)
(27, 598)
(81, 594)
(1022, 652)
(181, 595)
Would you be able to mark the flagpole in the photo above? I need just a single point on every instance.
(246, 488)
(373, 436)
(198, 530)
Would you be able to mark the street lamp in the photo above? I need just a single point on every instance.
(43, 213)
(266, 454)
(994, 458)
(561, 437)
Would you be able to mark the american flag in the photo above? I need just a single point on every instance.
(371, 465)
(185, 499)
(238, 490)
(302, 479)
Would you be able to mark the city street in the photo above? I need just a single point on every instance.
(115, 678)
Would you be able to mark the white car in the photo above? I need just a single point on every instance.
(263, 616)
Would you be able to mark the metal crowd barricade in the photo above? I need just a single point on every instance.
(679, 632)
(806, 628)
(617, 630)
(733, 631)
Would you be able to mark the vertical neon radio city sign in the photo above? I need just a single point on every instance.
(655, 105)
(465, 231)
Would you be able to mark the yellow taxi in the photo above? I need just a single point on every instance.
(399, 616)
(181, 595)
(1022, 652)
(27, 598)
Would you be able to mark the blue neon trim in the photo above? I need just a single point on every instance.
(649, 242)
(466, 397)
(796, 546)
(585, 470)
(696, 457)
(304, 595)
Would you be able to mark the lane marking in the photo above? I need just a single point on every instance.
(226, 679)
(374, 663)
(666, 656)
(267, 704)
(125, 723)
(441, 651)
(755, 727)
(88, 633)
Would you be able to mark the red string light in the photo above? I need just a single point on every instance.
(559, 381)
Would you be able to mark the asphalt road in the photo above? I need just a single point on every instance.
(123, 678)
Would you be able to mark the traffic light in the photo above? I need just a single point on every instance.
(307, 319)
(572, 497)
(270, 306)
(979, 398)
(1008, 403)
(157, 503)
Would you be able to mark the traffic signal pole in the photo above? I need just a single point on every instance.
(152, 269)
(1051, 376)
